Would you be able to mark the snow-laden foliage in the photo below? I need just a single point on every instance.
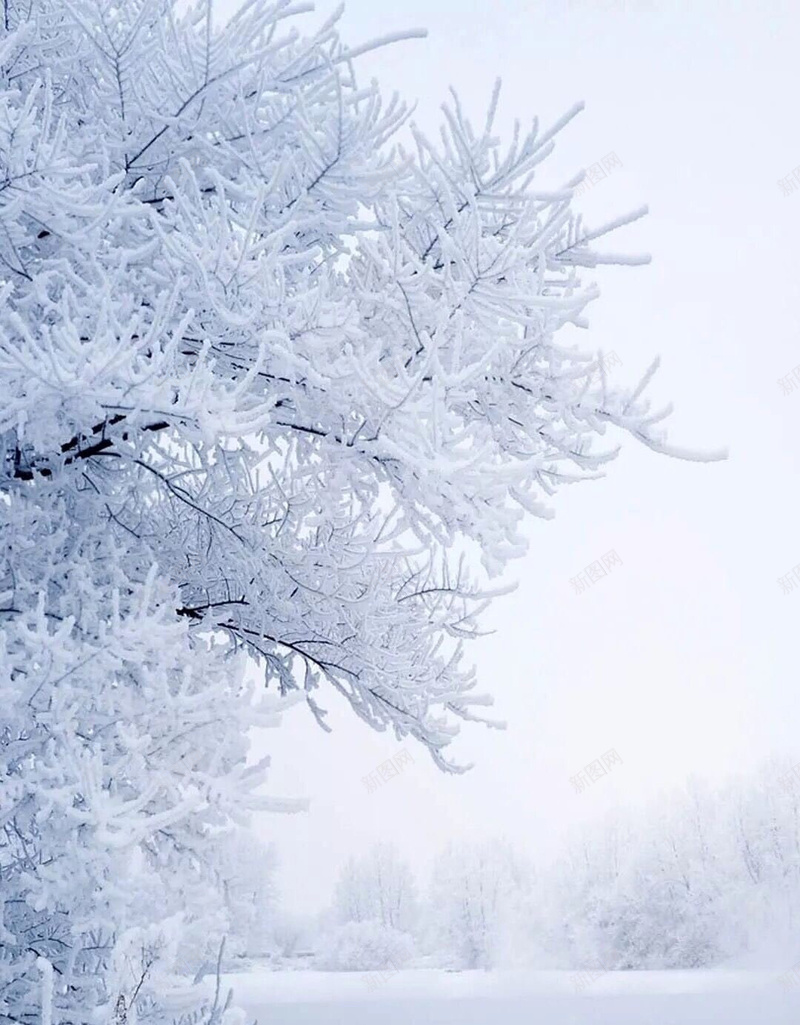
(122, 758)
(295, 369)
(264, 381)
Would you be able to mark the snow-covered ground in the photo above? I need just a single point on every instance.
(516, 998)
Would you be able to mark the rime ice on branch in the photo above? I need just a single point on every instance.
(266, 377)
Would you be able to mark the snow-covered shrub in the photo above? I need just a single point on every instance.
(364, 946)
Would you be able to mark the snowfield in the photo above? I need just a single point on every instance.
(430, 997)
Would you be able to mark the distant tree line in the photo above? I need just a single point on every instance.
(702, 876)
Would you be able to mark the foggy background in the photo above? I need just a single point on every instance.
(683, 658)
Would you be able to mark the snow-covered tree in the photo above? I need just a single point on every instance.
(475, 888)
(247, 871)
(265, 378)
(377, 887)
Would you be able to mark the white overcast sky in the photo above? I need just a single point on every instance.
(684, 659)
